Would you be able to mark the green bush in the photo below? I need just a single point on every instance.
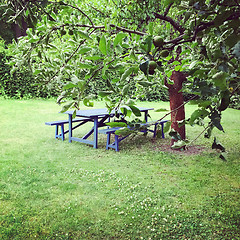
(21, 84)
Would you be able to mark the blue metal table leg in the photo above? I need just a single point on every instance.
(70, 127)
(108, 140)
(56, 131)
(155, 130)
(146, 116)
(116, 143)
(62, 132)
(162, 130)
(95, 134)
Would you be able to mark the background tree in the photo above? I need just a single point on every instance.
(174, 42)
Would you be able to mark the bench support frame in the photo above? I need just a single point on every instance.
(118, 139)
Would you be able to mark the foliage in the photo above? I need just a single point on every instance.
(6, 31)
(77, 43)
(20, 84)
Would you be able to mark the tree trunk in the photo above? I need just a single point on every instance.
(177, 102)
(20, 30)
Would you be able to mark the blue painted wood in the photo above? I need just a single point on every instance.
(162, 125)
(83, 141)
(109, 130)
(70, 127)
(95, 115)
(100, 124)
(100, 112)
(56, 131)
(60, 123)
(95, 134)
(62, 130)
(65, 121)
(115, 144)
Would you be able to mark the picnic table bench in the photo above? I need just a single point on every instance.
(118, 139)
(61, 124)
(98, 117)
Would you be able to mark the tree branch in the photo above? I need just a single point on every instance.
(65, 4)
(176, 26)
(97, 10)
(103, 27)
(176, 109)
(127, 30)
(208, 126)
(167, 9)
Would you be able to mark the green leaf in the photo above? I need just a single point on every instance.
(175, 135)
(84, 35)
(225, 101)
(208, 133)
(177, 68)
(85, 65)
(216, 120)
(135, 111)
(204, 104)
(103, 45)
(232, 40)
(150, 28)
(105, 93)
(223, 156)
(116, 124)
(146, 83)
(219, 80)
(161, 110)
(37, 71)
(132, 55)
(199, 113)
(217, 145)
(127, 73)
(194, 64)
(130, 102)
(84, 50)
(236, 50)
(126, 112)
(69, 85)
(125, 90)
(147, 44)
(169, 74)
(74, 113)
(118, 39)
(167, 126)
(144, 67)
(175, 63)
(178, 144)
(123, 132)
(66, 107)
(94, 58)
(167, 2)
(87, 102)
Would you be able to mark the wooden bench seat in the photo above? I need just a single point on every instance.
(109, 131)
(61, 123)
(118, 139)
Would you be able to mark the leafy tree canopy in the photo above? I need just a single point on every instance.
(77, 42)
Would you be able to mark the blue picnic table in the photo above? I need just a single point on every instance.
(99, 117)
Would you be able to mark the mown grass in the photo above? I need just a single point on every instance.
(51, 189)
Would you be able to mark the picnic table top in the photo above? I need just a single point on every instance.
(99, 112)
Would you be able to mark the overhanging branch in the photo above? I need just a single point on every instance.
(175, 25)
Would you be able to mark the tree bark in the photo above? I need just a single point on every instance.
(176, 102)
(20, 30)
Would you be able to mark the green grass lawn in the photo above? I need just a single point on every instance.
(51, 189)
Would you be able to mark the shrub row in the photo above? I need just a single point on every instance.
(21, 84)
